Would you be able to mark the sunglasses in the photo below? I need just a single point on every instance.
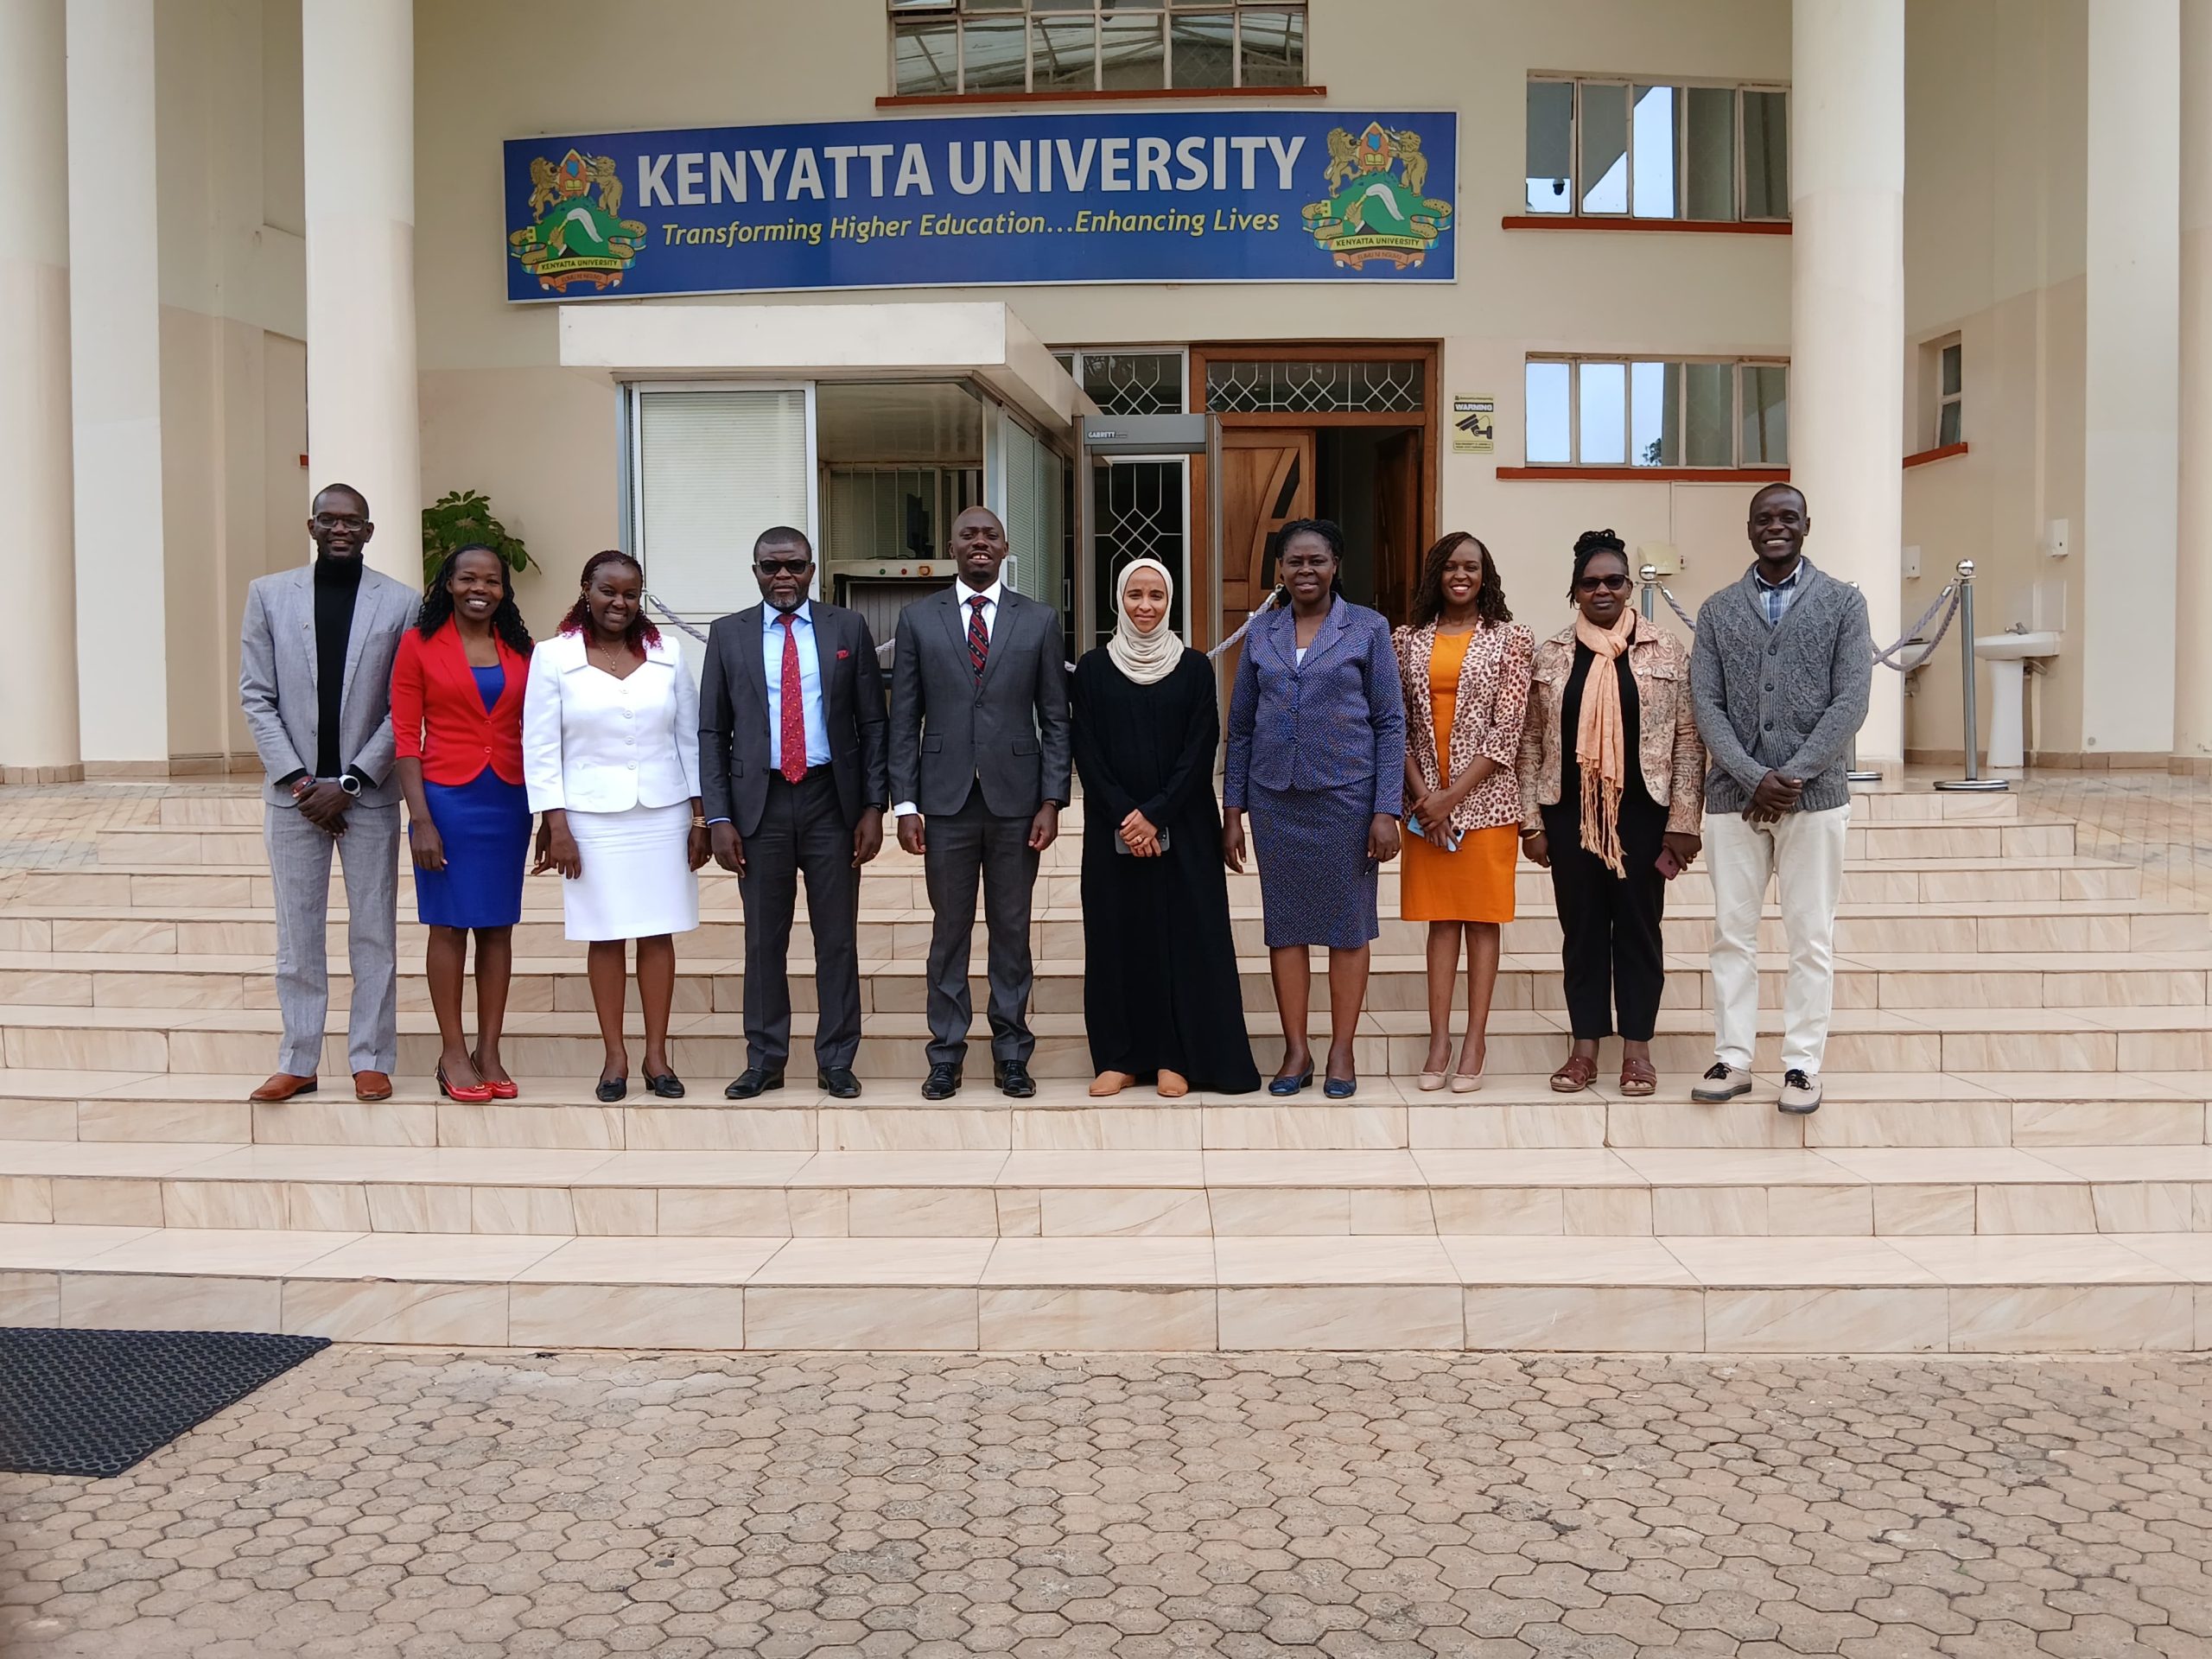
(1610, 584)
(784, 567)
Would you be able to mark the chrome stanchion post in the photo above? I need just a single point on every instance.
(1649, 575)
(1974, 779)
(1852, 772)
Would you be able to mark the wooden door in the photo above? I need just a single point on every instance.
(1398, 546)
(1267, 480)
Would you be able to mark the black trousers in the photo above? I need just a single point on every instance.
(970, 843)
(1610, 947)
(802, 830)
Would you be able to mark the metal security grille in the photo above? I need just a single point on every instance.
(1134, 383)
(1379, 386)
(1140, 507)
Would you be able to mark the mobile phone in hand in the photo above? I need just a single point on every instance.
(1669, 866)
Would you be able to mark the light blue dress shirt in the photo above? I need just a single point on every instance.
(810, 684)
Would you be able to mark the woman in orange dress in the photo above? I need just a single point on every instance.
(1462, 664)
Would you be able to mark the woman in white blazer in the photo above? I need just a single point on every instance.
(610, 742)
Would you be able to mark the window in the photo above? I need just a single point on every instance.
(1608, 411)
(1139, 506)
(1950, 372)
(1623, 149)
(1012, 46)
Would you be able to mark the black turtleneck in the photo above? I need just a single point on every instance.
(337, 583)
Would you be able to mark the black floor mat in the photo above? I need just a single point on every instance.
(95, 1403)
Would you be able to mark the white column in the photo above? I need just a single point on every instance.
(2130, 389)
(2193, 547)
(38, 675)
(115, 352)
(363, 425)
(1847, 314)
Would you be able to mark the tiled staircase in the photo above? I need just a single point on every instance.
(2013, 1157)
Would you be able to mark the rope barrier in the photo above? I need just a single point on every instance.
(1888, 656)
(1265, 605)
(652, 602)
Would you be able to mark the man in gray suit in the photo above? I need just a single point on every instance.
(979, 771)
(791, 772)
(314, 677)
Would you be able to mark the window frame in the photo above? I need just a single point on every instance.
(1628, 84)
(1657, 470)
(958, 13)
(1949, 400)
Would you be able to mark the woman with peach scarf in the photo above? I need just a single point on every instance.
(1610, 771)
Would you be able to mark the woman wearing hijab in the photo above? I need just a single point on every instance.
(1610, 788)
(1161, 995)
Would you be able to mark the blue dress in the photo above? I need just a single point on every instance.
(484, 824)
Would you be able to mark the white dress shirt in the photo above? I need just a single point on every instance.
(809, 683)
(963, 592)
(594, 743)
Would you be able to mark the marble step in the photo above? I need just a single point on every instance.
(1893, 980)
(2059, 1292)
(1626, 1193)
(1963, 1041)
(1957, 927)
(1988, 838)
(1513, 1110)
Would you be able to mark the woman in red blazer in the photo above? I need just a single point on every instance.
(456, 716)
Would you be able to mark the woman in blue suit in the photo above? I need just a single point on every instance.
(1316, 755)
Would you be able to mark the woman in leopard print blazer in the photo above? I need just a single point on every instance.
(1462, 664)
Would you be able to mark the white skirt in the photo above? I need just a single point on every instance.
(637, 880)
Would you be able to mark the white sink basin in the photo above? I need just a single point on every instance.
(2015, 647)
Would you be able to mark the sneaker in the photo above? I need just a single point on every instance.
(1722, 1082)
(1800, 1095)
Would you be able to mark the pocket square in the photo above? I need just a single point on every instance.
(842, 655)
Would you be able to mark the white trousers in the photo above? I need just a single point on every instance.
(1804, 850)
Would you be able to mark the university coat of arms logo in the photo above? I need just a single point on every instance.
(1375, 209)
(572, 239)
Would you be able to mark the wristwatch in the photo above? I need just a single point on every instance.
(350, 783)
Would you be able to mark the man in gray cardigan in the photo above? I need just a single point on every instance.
(1779, 676)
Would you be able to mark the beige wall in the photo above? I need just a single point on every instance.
(1995, 197)
(499, 416)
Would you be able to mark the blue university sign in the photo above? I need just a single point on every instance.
(1204, 196)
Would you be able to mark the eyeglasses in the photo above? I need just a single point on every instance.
(1610, 584)
(784, 567)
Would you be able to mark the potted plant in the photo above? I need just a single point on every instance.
(463, 518)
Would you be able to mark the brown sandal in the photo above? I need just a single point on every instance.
(1638, 1078)
(1578, 1074)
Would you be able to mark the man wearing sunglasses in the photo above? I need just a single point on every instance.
(794, 775)
(1779, 675)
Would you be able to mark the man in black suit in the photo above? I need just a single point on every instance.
(979, 766)
(792, 774)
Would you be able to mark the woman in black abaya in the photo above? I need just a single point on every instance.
(1161, 997)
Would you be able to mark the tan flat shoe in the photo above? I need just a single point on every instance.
(1464, 1083)
(1109, 1082)
(1430, 1082)
(1174, 1085)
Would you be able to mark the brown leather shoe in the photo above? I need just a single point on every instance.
(371, 1085)
(282, 1086)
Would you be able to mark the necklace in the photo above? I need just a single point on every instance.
(612, 657)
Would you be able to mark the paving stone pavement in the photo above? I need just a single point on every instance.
(378, 1502)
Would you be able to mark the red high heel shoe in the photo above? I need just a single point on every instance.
(471, 1094)
(499, 1090)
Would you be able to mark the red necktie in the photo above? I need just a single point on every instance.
(794, 766)
(979, 638)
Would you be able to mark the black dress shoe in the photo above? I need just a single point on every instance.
(613, 1089)
(668, 1085)
(837, 1082)
(942, 1084)
(754, 1080)
(1013, 1078)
